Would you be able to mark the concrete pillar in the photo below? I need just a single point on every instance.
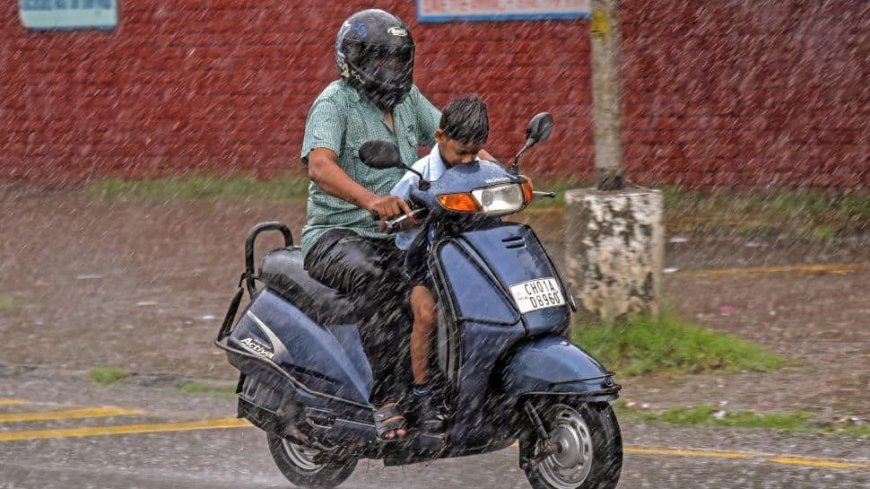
(614, 251)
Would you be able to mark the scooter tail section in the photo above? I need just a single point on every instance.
(272, 335)
(552, 365)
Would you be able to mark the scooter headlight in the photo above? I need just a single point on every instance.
(492, 201)
(501, 199)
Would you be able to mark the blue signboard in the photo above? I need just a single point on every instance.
(68, 14)
(448, 10)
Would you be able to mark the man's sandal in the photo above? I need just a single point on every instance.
(388, 419)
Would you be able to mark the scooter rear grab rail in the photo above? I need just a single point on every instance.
(249, 249)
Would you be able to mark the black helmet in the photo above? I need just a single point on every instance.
(374, 52)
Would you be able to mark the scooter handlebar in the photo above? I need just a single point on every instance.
(392, 224)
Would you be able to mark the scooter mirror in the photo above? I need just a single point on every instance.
(539, 128)
(538, 131)
(380, 154)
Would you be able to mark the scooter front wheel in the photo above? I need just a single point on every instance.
(589, 454)
(309, 467)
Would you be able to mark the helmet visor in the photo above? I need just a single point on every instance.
(388, 65)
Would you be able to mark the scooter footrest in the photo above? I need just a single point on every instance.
(416, 447)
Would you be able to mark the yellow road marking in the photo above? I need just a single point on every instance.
(803, 461)
(221, 423)
(828, 464)
(690, 452)
(809, 268)
(686, 452)
(100, 412)
(130, 429)
(11, 402)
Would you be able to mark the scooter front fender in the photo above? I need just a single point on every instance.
(554, 366)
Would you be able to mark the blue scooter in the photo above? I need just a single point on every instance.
(510, 372)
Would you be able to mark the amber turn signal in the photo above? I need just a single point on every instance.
(527, 189)
(463, 202)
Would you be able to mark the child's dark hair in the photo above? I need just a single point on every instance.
(465, 119)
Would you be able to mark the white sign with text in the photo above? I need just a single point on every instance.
(447, 10)
(68, 14)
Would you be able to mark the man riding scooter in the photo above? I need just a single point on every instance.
(344, 249)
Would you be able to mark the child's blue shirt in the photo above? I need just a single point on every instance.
(431, 167)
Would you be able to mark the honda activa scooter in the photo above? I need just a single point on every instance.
(510, 372)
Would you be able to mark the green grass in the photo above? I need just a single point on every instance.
(798, 214)
(108, 376)
(203, 187)
(10, 304)
(706, 415)
(114, 375)
(192, 387)
(812, 215)
(672, 346)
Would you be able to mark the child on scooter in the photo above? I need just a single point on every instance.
(461, 133)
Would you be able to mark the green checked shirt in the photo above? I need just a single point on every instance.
(342, 120)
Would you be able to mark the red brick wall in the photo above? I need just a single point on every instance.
(729, 93)
(752, 93)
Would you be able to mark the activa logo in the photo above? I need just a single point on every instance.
(257, 348)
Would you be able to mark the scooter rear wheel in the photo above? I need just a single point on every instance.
(309, 467)
(590, 447)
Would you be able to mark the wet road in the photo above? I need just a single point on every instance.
(141, 285)
(147, 446)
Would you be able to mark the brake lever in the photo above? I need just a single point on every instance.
(537, 193)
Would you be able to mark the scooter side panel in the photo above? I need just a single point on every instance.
(490, 323)
(553, 365)
(278, 332)
(483, 346)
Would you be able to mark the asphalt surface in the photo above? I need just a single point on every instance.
(193, 441)
(140, 285)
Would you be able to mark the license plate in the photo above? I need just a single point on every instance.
(537, 294)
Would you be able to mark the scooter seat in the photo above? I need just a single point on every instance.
(282, 271)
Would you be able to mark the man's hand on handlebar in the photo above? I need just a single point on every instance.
(388, 206)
